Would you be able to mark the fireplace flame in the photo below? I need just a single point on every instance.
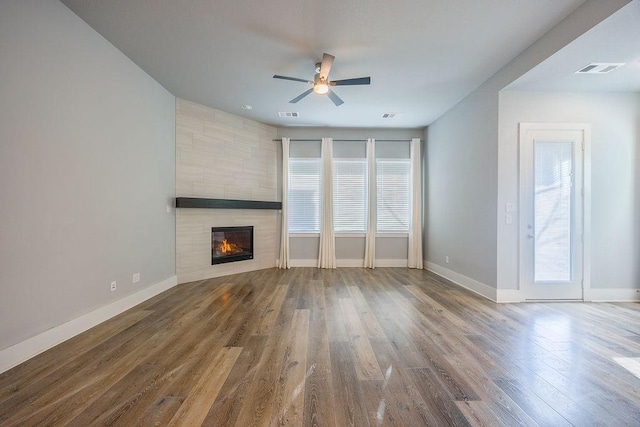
(229, 248)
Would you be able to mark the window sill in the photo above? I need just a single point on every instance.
(392, 234)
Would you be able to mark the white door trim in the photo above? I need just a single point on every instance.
(586, 199)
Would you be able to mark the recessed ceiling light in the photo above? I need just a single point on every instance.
(247, 107)
(600, 67)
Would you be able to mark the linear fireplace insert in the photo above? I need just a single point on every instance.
(229, 244)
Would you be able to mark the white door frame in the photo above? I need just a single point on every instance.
(524, 128)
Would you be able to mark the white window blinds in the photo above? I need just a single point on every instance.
(350, 195)
(304, 195)
(350, 210)
(393, 179)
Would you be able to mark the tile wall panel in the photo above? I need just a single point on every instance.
(222, 156)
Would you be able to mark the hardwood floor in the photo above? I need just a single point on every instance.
(389, 346)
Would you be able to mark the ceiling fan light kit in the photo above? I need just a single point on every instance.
(321, 81)
(320, 88)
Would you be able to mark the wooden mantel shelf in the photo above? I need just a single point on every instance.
(195, 202)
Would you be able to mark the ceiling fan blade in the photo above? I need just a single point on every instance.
(302, 95)
(351, 82)
(295, 79)
(325, 65)
(335, 98)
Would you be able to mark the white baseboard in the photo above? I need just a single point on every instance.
(509, 295)
(25, 350)
(349, 263)
(303, 262)
(464, 281)
(391, 263)
(611, 295)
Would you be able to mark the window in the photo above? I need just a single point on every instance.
(350, 195)
(304, 195)
(393, 179)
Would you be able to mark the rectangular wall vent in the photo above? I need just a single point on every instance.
(391, 115)
(600, 68)
(283, 114)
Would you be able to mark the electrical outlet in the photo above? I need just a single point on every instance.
(113, 286)
(136, 278)
(446, 259)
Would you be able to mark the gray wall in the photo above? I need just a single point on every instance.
(615, 178)
(86, 171)
(461, 188)
(463, 159)
(349, 248)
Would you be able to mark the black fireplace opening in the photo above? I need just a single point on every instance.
(229, 244)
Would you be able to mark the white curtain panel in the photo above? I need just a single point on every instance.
(327, 252)
(370, 241)
(415, 232)
(284, 233)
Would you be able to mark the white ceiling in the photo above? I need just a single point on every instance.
(614, 40)
(423, 56)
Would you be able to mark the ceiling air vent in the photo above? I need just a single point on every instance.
(282, 114)
(600, 68)
(391, 115)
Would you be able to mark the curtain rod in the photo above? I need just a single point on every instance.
(345, 140)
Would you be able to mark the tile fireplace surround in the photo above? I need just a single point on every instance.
(222, 156)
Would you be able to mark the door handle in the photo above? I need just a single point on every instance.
(531, 236)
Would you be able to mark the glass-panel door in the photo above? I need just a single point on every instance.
(551, 213)
(553, 169)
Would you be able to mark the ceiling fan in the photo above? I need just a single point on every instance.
(321, 82)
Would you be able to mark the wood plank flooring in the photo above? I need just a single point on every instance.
(311, 347)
